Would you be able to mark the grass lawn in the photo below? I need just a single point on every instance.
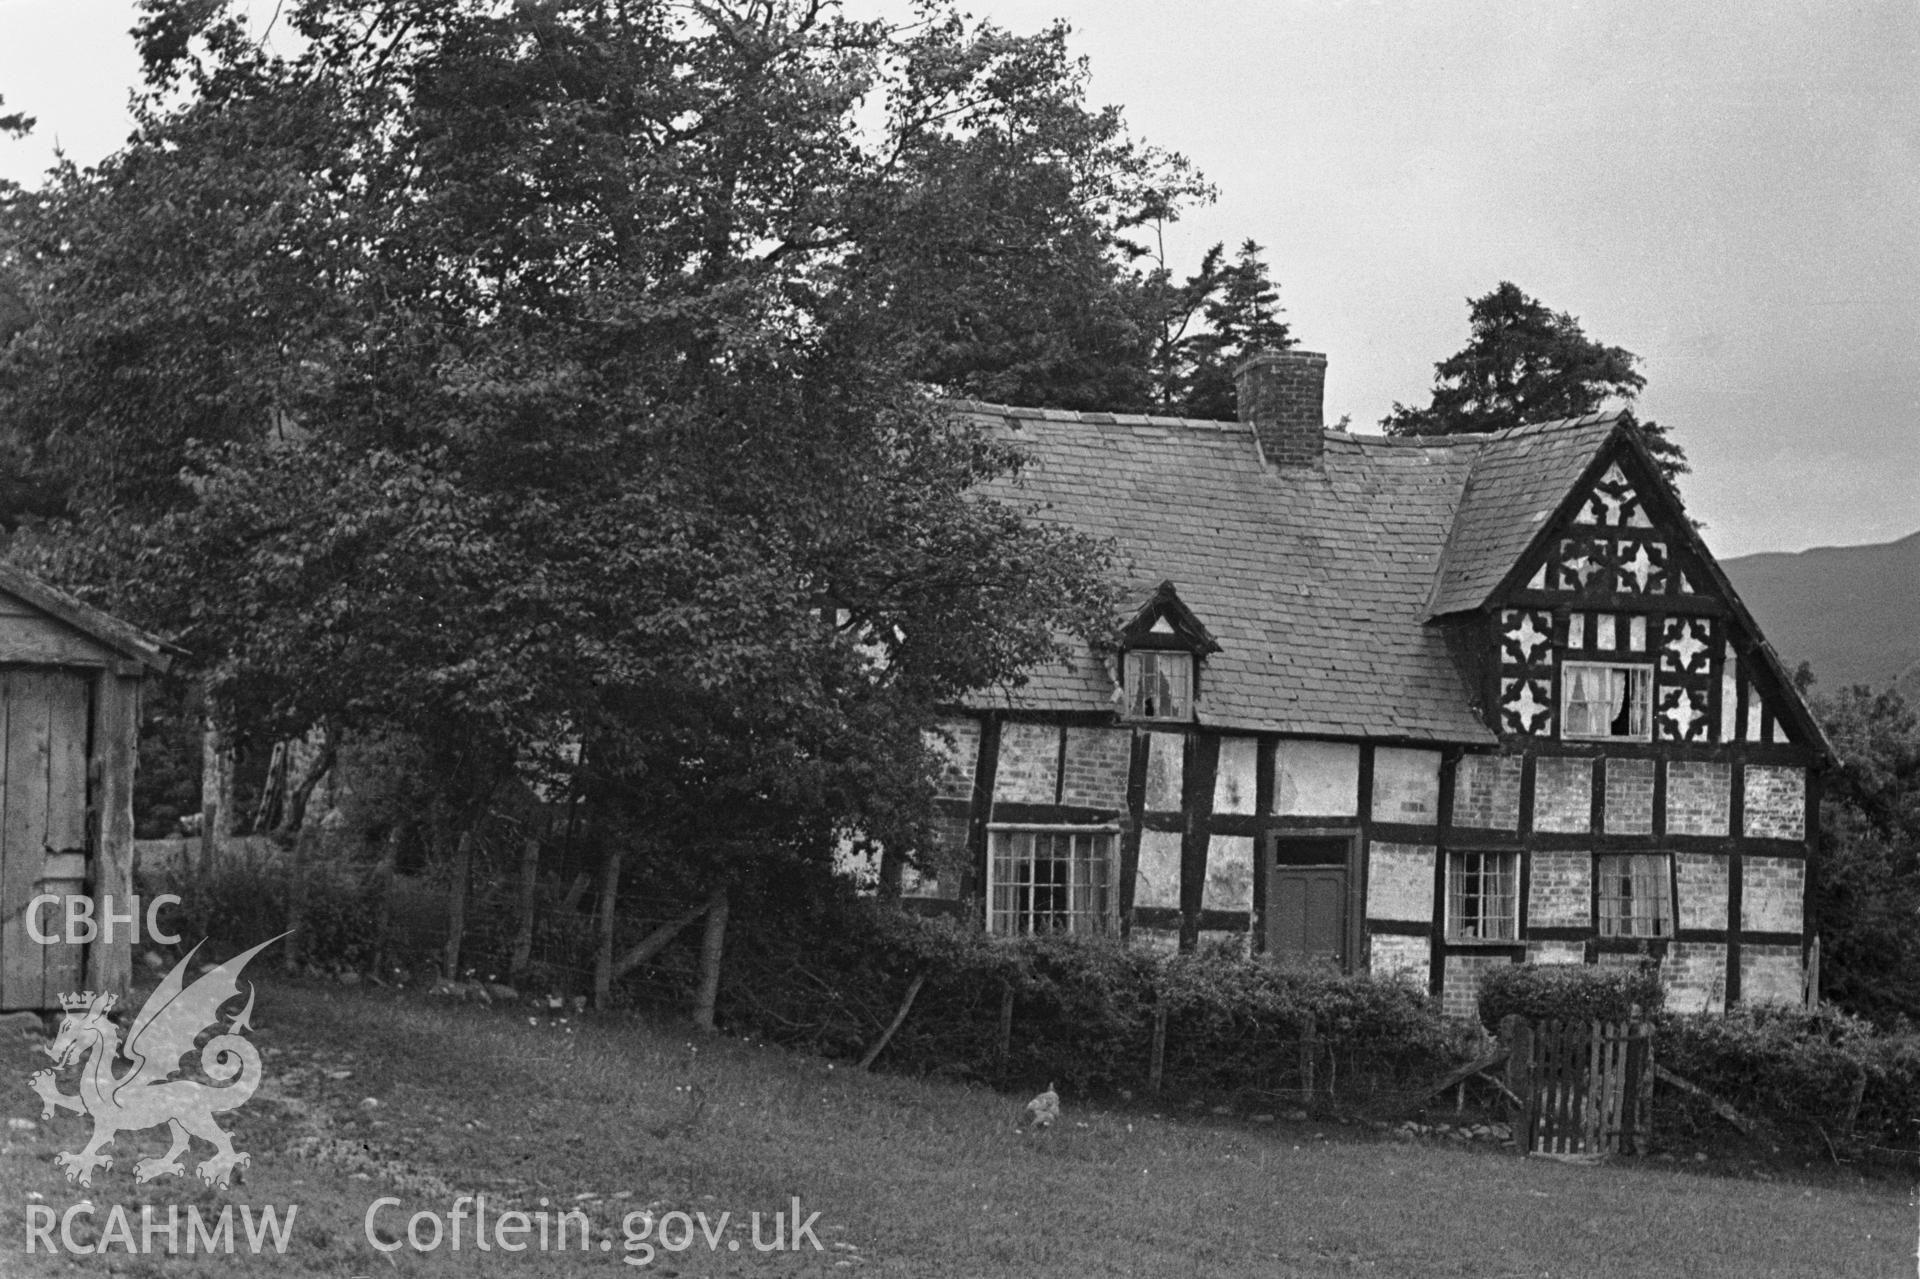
(370, 1093)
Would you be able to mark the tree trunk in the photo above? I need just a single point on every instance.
(529, 899)
(273, 793)
(216, 794)
(712, 945)
(576, 893)
(382, 888)
(603, 956)
(457, 902)
(295, 816)
(297, 901)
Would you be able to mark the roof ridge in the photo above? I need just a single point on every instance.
(1092, 417)
(1539, 427)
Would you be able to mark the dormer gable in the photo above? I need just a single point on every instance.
(1165, 621)
(1161, 648)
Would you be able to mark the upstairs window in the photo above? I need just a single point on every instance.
(1050, 880)
(1601, 699)
(1160, 650)
(1636, 895)
(1159, 684)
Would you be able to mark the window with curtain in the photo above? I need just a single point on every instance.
(1605, 700)
(1159, 684)
(1050, 880)
(1483, 897)
(1636, 895)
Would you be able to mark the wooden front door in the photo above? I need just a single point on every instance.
(1307, 914)
(44, 836)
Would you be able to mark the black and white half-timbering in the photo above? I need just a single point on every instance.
(1426, 704)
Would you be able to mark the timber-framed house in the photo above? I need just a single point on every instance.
(1413, 705)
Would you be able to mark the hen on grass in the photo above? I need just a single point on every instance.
(1043, 1110)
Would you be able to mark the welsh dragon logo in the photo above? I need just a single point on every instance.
(148, 1094)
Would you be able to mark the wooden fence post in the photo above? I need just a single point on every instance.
(1005, 1045)
(1157, 1062)
(712, 946)
(1517, 1035)
(886, 1036)
(1643, 1101)
(1309, 1049)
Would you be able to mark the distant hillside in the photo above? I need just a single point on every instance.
(1852, 611)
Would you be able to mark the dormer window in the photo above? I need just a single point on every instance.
(1159, 684)
(1160, 652)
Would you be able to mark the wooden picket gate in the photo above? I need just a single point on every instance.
(1584, 1087)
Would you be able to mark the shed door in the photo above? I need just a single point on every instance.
(44, 717)
(1307, 914)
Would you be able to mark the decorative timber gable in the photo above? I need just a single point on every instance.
(1617, 596)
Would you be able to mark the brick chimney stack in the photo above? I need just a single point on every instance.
(1280, 393)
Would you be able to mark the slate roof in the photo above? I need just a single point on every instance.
(1318, 583)
(1518, 481)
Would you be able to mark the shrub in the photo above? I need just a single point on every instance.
(1823, 1081)
(245, 902)
(1570, 992)
(828, 971)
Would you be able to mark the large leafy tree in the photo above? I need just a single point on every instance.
(554, 373)
(1525, 362)
(1006, 231)
(1867, 890)
(1225, 312)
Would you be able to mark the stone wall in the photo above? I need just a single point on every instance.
(1771, 975)
(1157, 883)
(1229, 883)
(1775, 803)
(1561, 892)
(1460, 988)
(1406, 786)
(1236, 777)
(1699, 797)
(1166, 763)
(1703, 890)
(1563, 795)
(1400, 882)
(1695, 975)
(1096, 772)
(1556, 952)
(1772, 891)
(958, 745)
(1629, 796)
(1411, 957)
(1029, 764)
(1316, 779)
(1486, 792)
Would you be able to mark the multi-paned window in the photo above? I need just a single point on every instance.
(1050, 879)
(1483, 897)
(1603, 699)
(1636, 894)
(1159, 683)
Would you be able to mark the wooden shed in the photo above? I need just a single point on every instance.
(69, 736)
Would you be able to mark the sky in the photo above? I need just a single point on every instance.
(1730, 191)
